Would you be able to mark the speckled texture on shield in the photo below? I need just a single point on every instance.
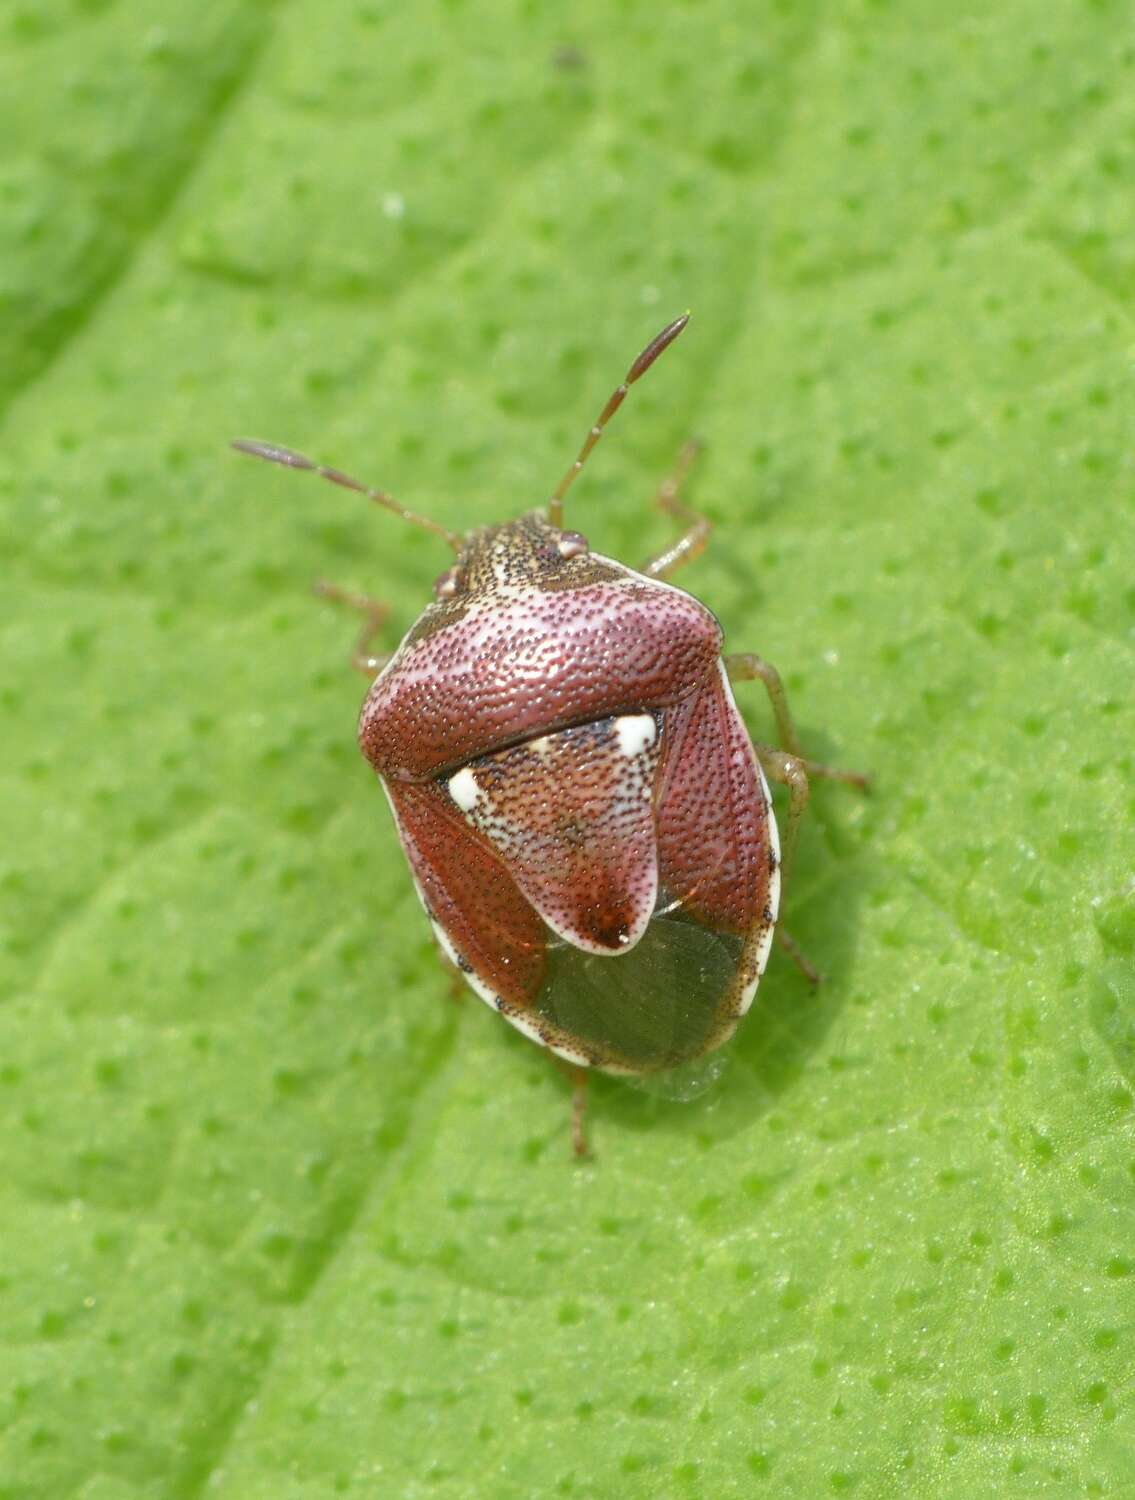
(572, 816)
(526, 653)
(713, 838)
(468, 893)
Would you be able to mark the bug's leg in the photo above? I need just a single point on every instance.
(578, 1112)
(374, 614)
(578, 1077)
(786, 765)
(748, 667)
(798, 956)
(694, 540)
(790, 771)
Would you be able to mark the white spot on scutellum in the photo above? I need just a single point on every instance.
(635, 732)
(464, 790)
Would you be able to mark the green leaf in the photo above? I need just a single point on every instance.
(279, 1218)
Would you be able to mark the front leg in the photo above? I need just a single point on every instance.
(374, 613)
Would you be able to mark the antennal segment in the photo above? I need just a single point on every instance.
(291, 460)
(643, 363)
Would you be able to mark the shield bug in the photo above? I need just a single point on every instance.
(587, 822)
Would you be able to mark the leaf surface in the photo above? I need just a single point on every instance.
(281, 1220)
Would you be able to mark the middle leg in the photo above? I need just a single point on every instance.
(788, 767)
(748, 667)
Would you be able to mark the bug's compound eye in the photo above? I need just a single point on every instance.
(448, 584)
(571, 544)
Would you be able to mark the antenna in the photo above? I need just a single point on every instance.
(291, 460)
(643, 363)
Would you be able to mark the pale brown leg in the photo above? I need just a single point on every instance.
(694, 540)
(578, 1112)
(789, 768)
(790, 771)
(374, 617)
(798, 957)
(748, 667)
(578, 1077)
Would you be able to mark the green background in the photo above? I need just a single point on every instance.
(278, 1218)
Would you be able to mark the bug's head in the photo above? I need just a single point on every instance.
(526, 553)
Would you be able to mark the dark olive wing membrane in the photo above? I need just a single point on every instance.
(674, 996)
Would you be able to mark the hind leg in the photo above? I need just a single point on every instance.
(748, 667)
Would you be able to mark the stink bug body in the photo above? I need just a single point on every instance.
(588, 824)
